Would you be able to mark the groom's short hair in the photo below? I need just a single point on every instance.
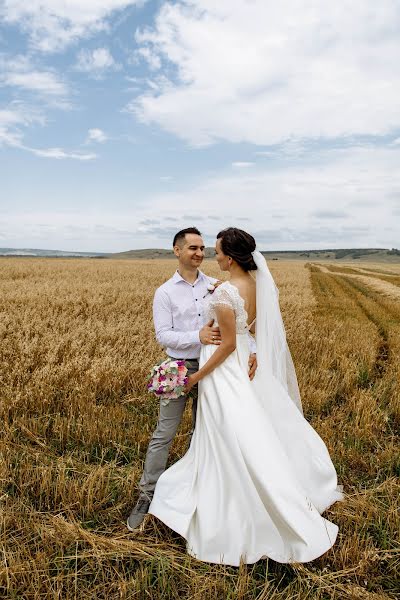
(180, 236)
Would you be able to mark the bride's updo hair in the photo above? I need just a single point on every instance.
(239, 245)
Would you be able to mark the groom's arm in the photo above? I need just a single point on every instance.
(164, 327)
(179, 340)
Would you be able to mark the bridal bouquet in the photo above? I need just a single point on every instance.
(168, 380)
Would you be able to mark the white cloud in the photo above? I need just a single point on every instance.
(151, 58)
(19, 73)
(96, 135)
(54, 24)
(330, 214)
(96, 62)
(43, 82)
(242, 164)
(13, 120)
(59, 153)
(290, 205)
(263, 72)
(16, 118)
(9, 137)
(265, 153)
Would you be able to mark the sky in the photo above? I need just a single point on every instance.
(123, 121)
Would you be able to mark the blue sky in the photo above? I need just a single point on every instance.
(123, 121)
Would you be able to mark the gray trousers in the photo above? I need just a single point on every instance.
(169, 419)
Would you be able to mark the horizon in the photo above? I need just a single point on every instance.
(148, 249)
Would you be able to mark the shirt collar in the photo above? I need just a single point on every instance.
(176, 278)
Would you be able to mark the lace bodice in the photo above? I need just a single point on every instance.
(228, 295)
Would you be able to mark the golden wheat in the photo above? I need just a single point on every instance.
(76, 344)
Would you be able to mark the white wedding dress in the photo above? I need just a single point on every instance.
(256, 476)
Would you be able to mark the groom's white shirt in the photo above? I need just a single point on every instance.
(178, 313)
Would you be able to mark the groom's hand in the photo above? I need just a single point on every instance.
(252, 365)
(209, 334)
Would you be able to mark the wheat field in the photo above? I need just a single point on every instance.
(76, 344)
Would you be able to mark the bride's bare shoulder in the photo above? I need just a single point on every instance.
(246, 286)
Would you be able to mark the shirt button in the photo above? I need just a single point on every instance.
(199, 315)
(196, 299)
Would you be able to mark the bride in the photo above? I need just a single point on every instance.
(256, 477)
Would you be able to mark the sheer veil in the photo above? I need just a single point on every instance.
(273, 354)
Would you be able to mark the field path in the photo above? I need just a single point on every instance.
(377, 284)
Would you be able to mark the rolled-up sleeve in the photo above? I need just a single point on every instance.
(164, 326)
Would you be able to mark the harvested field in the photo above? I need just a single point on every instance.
(386, 284)
(76, 344)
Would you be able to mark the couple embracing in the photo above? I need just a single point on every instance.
(256, 477)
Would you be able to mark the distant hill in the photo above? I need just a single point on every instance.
(375, 254)
(362, 254)
(49, 253)
(149, 253)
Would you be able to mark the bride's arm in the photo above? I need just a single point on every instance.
(227, 325)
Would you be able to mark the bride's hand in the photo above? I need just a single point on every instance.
(191, 382)
(252, 366)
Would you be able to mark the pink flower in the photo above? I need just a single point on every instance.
(167, 380)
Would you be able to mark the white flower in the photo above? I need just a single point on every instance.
(210, 289)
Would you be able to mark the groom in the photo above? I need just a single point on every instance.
(179, 325)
